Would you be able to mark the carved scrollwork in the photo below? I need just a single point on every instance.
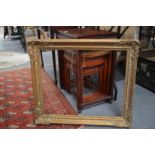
(131, 47)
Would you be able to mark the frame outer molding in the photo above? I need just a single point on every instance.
(132, 49)
(35, 59)
(131, 67)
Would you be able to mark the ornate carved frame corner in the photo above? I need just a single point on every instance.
(132, 49)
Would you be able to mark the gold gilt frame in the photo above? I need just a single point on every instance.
(132, 49)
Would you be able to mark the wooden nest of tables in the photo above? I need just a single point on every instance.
(85, 64)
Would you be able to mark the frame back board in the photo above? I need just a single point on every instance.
(129, 46)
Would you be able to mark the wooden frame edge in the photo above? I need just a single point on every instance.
(132, 48)
(83, 120)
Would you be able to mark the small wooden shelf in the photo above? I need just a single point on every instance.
(94, 97)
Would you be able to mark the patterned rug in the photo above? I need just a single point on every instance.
(17, 105)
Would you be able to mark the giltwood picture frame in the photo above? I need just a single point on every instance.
(129, 46)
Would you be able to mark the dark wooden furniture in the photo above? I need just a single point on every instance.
(52, 33)
(6, 32)
(53, 30)
(23, 39)
(146, 35)
(146, 70)
(85, 64)
(12, 31)
(119, 30)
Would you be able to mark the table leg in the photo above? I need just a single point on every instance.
(114, 86)
(54, 66)
(61, 68)
(111, 75)
(42, 59)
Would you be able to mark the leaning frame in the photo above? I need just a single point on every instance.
(132, 49)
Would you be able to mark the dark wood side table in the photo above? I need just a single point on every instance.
(81, 34)
(53, 30)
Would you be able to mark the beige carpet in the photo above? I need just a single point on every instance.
(10, 59)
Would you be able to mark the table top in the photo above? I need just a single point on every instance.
(85, 33)
(55, 28)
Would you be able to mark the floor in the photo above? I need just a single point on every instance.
(12, 51)
(144, 100)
